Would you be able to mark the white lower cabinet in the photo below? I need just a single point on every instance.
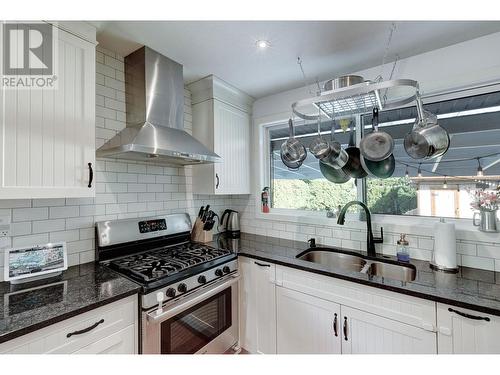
(365, 333)
(462, 331)
(121, 342)
(112, 329)
(306, 324)
(257, 308)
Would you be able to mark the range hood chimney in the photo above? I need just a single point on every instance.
(154, 91)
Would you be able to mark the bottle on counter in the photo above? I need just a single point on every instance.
(403, 250)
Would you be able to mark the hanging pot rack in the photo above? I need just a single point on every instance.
(357, 99)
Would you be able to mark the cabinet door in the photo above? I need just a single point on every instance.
(306, 324)
(365, 333)
(257, 306)
(462, 331)
(48, 133)
(232, 144)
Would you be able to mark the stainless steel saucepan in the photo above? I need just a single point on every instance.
(293, 152)
(427, 139)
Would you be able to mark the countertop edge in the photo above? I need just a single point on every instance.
(37, 326)
(465, 305)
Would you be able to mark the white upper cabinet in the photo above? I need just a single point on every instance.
(462, 331)
(48, 141)
(221, 121)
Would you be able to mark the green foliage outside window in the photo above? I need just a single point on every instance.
(394, 196)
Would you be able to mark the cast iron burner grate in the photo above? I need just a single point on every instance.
(164, 262)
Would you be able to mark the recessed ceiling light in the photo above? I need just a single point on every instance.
(262, 44)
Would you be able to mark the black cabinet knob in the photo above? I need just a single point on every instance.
(226, 269)
(218, 272)
(170, 292)
(182, 288)
(202, 279)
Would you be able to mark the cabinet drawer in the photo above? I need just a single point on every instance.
(121, 342)
(406, 309)
(105, 321)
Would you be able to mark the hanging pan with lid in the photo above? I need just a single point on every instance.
(293, 153)
(427, 139)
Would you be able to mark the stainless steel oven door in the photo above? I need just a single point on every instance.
(204, 322)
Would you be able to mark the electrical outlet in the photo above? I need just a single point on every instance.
(4, 226)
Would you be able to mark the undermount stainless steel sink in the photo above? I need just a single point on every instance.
(357, 263)
(334, 259)
(392, 271)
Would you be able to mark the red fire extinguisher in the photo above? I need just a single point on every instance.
(265, 200)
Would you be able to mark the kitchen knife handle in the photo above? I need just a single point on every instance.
(91, 175)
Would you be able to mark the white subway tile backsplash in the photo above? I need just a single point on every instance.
(63, 212)
(49, 225)
(65, 235)
(488, 251)
(34, 239)
(478, 262)
(30, 214)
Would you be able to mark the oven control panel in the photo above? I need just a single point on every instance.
(187, 285)
(152, 225)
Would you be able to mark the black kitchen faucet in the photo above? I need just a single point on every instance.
(370, 240)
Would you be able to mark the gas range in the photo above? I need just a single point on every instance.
(157, 253)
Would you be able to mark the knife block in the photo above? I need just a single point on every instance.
(200, 235)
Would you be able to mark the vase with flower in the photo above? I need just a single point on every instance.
(485, 202)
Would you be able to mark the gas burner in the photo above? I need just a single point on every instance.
(165, 262)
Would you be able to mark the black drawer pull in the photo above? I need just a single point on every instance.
(335, 325)
(262, 264)
(345, 328)
(469, 316)
(85, 330)
(217, 184)
(91, 175)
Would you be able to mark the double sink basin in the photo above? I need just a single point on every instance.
(348, 261)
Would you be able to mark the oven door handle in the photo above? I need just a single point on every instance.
(169, 312)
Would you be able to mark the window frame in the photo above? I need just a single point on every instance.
(319, 217)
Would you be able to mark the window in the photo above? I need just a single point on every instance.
(305, 188)
(441, 189)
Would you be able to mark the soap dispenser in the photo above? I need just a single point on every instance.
(403, 251)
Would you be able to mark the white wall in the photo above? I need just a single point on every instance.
(123, 189)
(465, 64)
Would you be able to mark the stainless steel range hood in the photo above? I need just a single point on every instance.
(154, 90)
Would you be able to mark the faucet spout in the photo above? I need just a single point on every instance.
(370, 240)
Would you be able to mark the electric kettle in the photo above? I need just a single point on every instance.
(230, 223)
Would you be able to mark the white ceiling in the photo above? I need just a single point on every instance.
(327, 48)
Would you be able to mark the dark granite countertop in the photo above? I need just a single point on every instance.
(469, 288)
(31, 306)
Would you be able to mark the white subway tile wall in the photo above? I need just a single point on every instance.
(123, 189)
(474, 249)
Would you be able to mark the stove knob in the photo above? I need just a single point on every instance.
(170, 292)
(218, 272)
(226, 269)
(182, 288)
(202, 279)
